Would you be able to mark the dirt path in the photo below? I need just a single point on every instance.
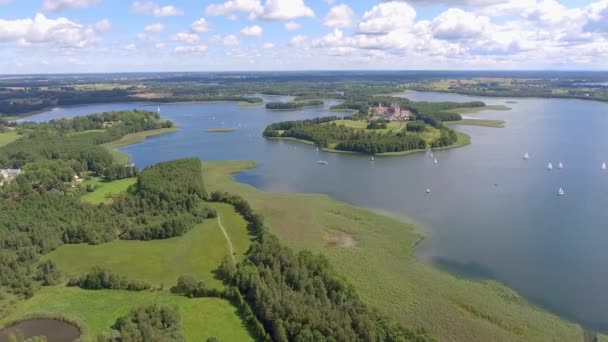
(219, 220)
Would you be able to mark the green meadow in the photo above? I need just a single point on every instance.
(375, 253)
(97, 310)
(197, 253)
(479, 122)
(475, 110)
(106, 191)
(8, 137)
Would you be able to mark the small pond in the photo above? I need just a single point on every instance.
(54, 330)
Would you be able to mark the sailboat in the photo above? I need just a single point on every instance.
(317, 149)
(436, 162)
(431, 154)
(526, 156)
(372, 158)
(428, 191)
(560, 192)
(560, 165)
(322, 162)
(550, 166)
(158, 109)
(604, 166)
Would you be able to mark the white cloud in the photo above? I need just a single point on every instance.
(187, 37)
(201, 25)
(457, 24)
(387, 17)
(60, 32)
(268, 45)
(152, 8)
(216, 38)
(230, 7)
(291, 26)
(158, 27)
(131, 47)
(195, 49)
(285, 10)
(103, 25)
(231, 40)
(300, 41)
(339, 16)
(160, 45)
(252, 31)
(58, 5)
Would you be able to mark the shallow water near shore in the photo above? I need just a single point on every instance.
(490, 213)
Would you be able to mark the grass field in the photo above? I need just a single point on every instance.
(382, 268)
(392, 127)
(198, 253)
(8, 137)
(220, 130)
(129, 139)
(475, 110)
(97, 311)
(106, 190)
(479, 122)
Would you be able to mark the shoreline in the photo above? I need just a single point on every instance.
(131, 139)
(293, 109)
(463, 140)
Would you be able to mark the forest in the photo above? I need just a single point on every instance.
(293, 105)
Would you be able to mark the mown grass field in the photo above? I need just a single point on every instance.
(198, 253)
(129, 139)
(479, 122)
(392, 127)
(107, 190)
(382, 268)
(97, 310)
(8, 137)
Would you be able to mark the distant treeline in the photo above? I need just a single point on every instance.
(293, 105)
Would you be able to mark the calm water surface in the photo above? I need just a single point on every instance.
(490, 214)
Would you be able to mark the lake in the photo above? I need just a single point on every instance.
(490, 214)
(54, 330)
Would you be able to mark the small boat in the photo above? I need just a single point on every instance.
(372, 158)
(550, 166)
(317, 149)
(322, 162)
(560, 192)
(158, 109)
(431, 154)
(428, 191)
(560, 165)
(436, 161)
(526, 156)
(604, 166)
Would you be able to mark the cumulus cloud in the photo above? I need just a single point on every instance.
(387, 17)
(187, 37)
(268, 45)
(131, 47)
(201, 25)
(286, 9)
(252, 31)
(300, 41)
(58, 5)
(103, 25)
(42, 30)
(339, 16)
(230, 40)
(195, 49)
(158, 27)
(152, 8)
(160, 45)
(291, 26)
(457, 24)
(230, 7)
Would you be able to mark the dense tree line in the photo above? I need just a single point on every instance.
(298, 296)
(100, 278)
(293, 105)
(154, 322)
(416, 126)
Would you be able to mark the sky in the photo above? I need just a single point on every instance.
(58, 36)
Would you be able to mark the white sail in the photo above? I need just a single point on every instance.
(436, 161)
(526, 156)
(158, 109)
(550, 166)
(560, 165)
(604, 166)
(372, 158)
(431, 154)
(428, 191)
(317, 149)
(560, 191)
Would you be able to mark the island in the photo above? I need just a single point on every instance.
(293, 105)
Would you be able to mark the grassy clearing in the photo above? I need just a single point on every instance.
(106, 191)
(197, 253)
(479, 122)
(220, 130)
(392, 127)
(97, 311)
(385, 273)
(8, 137)
(129, 139)
(475, 110)
(248, 104)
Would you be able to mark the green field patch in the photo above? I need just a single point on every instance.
(97, 310)
(479, 122)
(392, 127)
(475, 110)
(197, 253)
(385, 273)
(105, 192)
(129, 139)
(8, 137)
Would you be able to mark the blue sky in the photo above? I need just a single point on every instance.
(178, 35)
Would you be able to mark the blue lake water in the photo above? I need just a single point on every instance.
(490, 214)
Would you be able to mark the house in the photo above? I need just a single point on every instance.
(392, 113)
(8, 175)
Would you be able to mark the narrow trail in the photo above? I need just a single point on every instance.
(219, 220)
